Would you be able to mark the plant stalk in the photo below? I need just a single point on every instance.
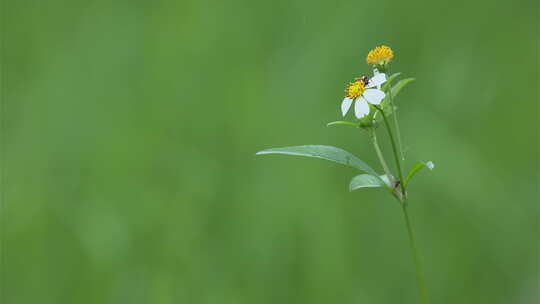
(396, 155)
(386, 169)
(398, 132)
(403, 200)
(417, 262)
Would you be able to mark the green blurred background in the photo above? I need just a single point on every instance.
(129, 130)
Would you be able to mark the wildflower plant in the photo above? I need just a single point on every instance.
(372, 99)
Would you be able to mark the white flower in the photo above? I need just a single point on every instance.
(363, 92)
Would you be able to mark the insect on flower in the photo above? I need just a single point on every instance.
(365, 79)
(363, 91)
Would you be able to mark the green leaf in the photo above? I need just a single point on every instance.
(417, 167)
(389, 81)
(348, 123)
(368, 181)
(324, 152)
(386, 105)
(400, 85)
(365, 123)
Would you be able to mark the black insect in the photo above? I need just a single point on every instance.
(365, 80)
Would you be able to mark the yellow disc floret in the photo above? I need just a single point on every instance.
(356, 88)
(380, 55)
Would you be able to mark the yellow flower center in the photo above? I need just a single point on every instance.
(380, 55)
(356, 88)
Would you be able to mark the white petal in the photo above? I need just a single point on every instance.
(377, 80)
(346, 105)
(361, 107)
(374, 96)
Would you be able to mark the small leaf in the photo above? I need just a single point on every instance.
(400, 85)
(365, 181)
(417, 167)
(386, 105)
(348, 123)
(365, 123)
(325, 152)
(389, 81)
(368, 181)
(386, 181)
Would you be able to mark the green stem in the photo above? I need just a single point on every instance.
(403, 199)
(398, 132)
(381, 156)
(394, 148)
(419, 273)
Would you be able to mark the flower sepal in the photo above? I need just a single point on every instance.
(382, 67)
(368, 122)
(370, 125)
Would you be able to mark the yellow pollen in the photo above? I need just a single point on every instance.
(355, 89)
(380, 55)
